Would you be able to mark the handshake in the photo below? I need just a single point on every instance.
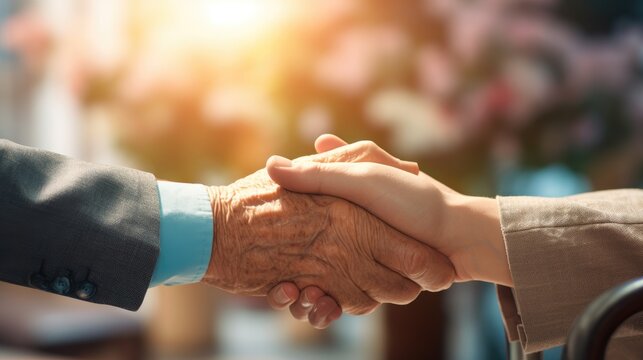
(346, 230)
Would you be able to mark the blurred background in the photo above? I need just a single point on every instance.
(533, 97)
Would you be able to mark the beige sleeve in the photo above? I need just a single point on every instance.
(563, 253)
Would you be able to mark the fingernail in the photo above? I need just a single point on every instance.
(305, 302)
(281, 297)
(280, 161)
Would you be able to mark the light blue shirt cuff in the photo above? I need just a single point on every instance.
(186, 234)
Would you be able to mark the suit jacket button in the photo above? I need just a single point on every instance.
(38, 281)
(60, 285)
(86, 290)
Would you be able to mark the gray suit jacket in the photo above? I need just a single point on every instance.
(77, 229)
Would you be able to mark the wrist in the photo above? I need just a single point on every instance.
(220, 201)
(472, 228)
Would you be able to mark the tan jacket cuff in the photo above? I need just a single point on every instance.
(562, 254)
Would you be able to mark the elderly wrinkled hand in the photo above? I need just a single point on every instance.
(266, 235)
(466, 229)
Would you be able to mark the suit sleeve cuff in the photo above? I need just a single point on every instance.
(186, 234)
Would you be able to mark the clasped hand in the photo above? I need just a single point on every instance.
(322, 255)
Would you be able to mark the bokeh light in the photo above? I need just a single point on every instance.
(537, 97)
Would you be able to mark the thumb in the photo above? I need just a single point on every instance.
(399, 198)
(387, 193)
(334, 179)
(328, 142)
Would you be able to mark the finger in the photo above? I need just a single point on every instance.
(385, 285)
(324, 312)
(352, 298)
(304, 304)
(328, 142)
(361, 151)
(282, 295)
(386, 192)
(415, 261)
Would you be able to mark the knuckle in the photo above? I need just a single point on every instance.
(340, 209)
(358, 303)
(371, 308)
(409, 293)
(415, 264)
(444, 281)
(365, 308)
(367, 144)
(366, 149)
(369, 149)
(446, 284)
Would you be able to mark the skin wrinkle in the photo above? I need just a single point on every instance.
(298, 248)
(411, 263)
(313, 240)
(351, 271)
(262, 287)
(408, 290)
(266, 235)
(365, 293)
(439, 275)
(225, 207)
